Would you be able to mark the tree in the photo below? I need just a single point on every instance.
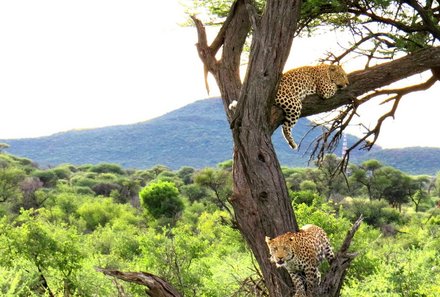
(10, 178)
(260, 200)
(186, 174)
(47, 248)
(437, 184)
(161, 199)
(366, 175)
(398, 187)
(333, 183)
(3, 146)
(29, 187)
(219, 182)
(418, 189)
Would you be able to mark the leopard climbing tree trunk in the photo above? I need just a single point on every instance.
(260, 199)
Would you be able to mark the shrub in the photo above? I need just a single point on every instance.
(107, 168)
(161, 198)
(376, 213)
(307, 197)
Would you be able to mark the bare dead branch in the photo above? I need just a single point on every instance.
(332, 282)
(354, 47)
(335, 126)
(157, 287)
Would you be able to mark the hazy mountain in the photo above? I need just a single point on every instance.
(196, 135)
(414, 160)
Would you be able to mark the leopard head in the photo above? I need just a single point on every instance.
(338, 76)
(279, 249)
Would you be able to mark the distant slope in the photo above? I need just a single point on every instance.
(196, 135)
(413, 160)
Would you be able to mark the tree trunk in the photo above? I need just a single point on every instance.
(260, 200)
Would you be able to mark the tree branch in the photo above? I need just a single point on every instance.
(433, 27)
(231, 37)
(157, 287)
(365, 81)
(206, 53)
(332, 282)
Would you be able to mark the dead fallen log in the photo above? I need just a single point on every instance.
(156, 287)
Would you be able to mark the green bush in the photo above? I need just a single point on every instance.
(307, 197)
(48, 177)
(376, 213)
(107, 168)
(161, 198)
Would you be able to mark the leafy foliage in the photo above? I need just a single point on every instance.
(54, 247)
(161, 199)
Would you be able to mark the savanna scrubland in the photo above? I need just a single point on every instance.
(59, 224)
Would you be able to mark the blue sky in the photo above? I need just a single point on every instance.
(82, 64)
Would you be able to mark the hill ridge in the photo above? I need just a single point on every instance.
(195, 135)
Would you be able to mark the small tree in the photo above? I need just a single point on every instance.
(418, 189)
(161, 198)
(3, 146)
(332, 183)
(396, 191)
(365, 174)
(10, 179)
(219, 182)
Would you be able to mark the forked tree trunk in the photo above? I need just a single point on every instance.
(260, 200)
(156, 287)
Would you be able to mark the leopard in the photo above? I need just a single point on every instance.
(301, 253)
(323, 80)
(295, 84)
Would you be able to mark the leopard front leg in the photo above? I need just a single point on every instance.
(300, 290)
(313, 278)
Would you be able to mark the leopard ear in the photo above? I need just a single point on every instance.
(333, 67)
(267, 238)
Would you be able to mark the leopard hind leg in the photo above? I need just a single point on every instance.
(287, 133)
(328, 251)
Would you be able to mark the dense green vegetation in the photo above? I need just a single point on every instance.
(58, 224)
